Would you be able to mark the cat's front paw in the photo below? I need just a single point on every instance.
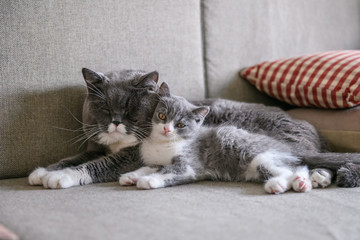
(301, 184)
(128, 179)
(35, 177)
(320, 178)
(58, 179)
(150, 182)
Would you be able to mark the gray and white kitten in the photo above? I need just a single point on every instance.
(180, 150)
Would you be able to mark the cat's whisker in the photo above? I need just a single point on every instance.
(69, 130)
(85, 135)
(97, 95)
(139, 134)
(97, 92)
(76, 119)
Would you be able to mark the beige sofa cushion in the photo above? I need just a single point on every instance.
(241, 33)
(340, 127)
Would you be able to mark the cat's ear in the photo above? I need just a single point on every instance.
(164, 90)
(92, 78)
(200, 113)
(148, 81)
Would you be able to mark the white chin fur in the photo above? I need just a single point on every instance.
(158, 132)
(116, 138)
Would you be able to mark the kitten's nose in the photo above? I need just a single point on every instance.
(166, 130)
(116, 123)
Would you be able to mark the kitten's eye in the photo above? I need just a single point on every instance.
(162, 116)
(180, 125)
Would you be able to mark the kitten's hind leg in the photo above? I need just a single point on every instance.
(270, 166)
(277, 185)
(301, 181)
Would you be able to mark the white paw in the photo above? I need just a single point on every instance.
(35, 177)
(276, 185)
(150, 182)
(321, 178)
(58, 179)
(301, 184)
(128, 179)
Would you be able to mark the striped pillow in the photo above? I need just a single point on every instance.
(325, 80)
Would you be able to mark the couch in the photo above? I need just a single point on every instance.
(198, 47)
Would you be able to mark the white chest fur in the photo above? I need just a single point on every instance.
(160, 153)
(117, 146)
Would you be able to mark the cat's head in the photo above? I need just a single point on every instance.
(118, 103)
(175, 118)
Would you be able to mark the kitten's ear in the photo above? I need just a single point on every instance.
(201, 113)
(148, 81)
(164, 90)
(92, 78)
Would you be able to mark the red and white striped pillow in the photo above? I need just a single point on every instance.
(326, 80)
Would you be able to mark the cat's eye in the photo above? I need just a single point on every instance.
(162, 116)
(180, 125)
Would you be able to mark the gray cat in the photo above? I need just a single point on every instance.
(108, 126)
(180, 150)
(117, 112)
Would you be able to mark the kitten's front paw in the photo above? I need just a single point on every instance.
(276, 186)
(128, 179)
(301, 184)
(320, 178)
(35, 177)
(58, 179)
(150, 182)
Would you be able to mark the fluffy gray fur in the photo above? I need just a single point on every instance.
(129, 98)
(121, 100)
(226, 153)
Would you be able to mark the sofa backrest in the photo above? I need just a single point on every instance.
(44, 44)
(241, 33)
(197, 46)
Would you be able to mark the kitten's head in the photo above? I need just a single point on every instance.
(175, 118)
(117, 104)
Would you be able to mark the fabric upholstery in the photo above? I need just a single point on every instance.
(341, 128)
(206, 210)
(44, 45)
(241, 33)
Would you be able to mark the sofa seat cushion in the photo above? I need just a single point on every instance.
(340, 127)
(204, 210)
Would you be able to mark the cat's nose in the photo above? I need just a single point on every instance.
(116, 123)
